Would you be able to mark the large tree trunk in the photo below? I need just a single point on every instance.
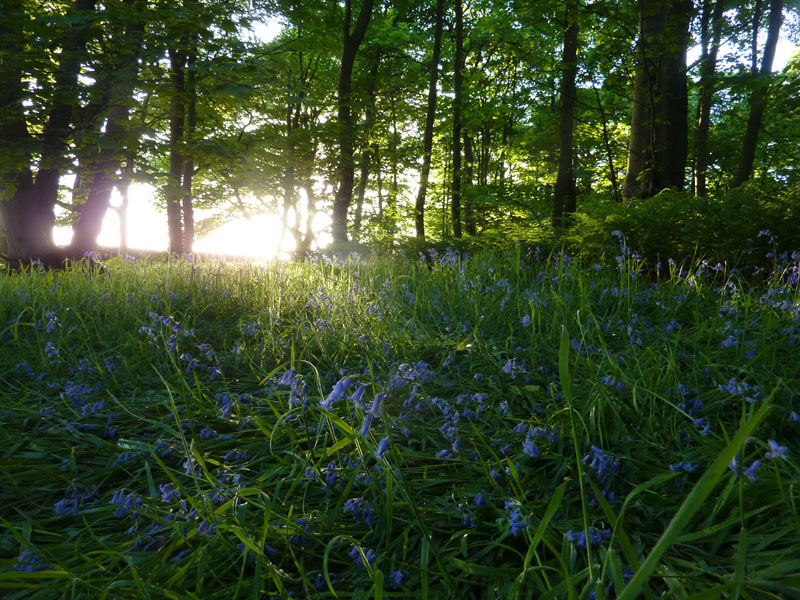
(658, 144)
(430, 118)
(758, 98)
(368, 148)
(708, 62)
(564, 199)
(188, 160)
(344, 193)
(177, 116)
(101, 173)
(57, 129)
(26, 205)
(458, 83)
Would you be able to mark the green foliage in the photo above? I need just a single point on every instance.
(728, 228)
(175, 427)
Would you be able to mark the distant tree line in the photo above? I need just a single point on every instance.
(410, 118)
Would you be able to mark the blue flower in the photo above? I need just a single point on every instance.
(397, 577)
(682, 466)
(169, 493)
(377, 405)
(530, 448)
(365, 425)
(66, 507)
(750, 471)
(355, 554)
(526, 320)
(596, 537)
(776, 450)
(30, 563)
(516, 521)
(383, 446)
(604, 465)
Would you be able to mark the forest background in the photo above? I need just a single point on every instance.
(485, 121)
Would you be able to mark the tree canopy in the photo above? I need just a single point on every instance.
(472, 118)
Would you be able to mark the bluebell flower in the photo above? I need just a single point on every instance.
(750, 471)
(605, 466)
(206, 528)
(337, 393)
(516, 521)
(776, 450)
(734, 464)
(596, 537)
(357, 396)
(480, 499)
(377, 405)
(126, 503)
(169, 493)
(361, 511)
(66, 507)
(355, 554)
(510, 367)
(383, 446)
(28, 562)
(365, 425)
(530, 448)
(683, 466)
(526, 320)
(397, 577)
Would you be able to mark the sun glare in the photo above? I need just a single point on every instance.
(257, 237)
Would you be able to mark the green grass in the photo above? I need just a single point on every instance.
(173, 430)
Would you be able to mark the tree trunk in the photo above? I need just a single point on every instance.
(119, 80)
(26, 206)
(758, 98)
(458, 83)
(177, 116)
(469, 190)
(430, 119)
(708, 63)
(57, 130)
(344, 193)
(612, 169)
(188, 159)
(564, 199)
(658, 143)
(368, 148)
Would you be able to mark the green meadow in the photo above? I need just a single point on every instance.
(501, 425)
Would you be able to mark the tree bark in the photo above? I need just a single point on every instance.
(188, 159)
(344, 193)
(564, 198)
(26, 205)
(758, 97)
(612, 169)
(468, 190)
(658, 143)
(57, 129)
(708, 62)
(368, 148)
(430, 119)
(120, 81)
(458, 83)
(177, 116)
